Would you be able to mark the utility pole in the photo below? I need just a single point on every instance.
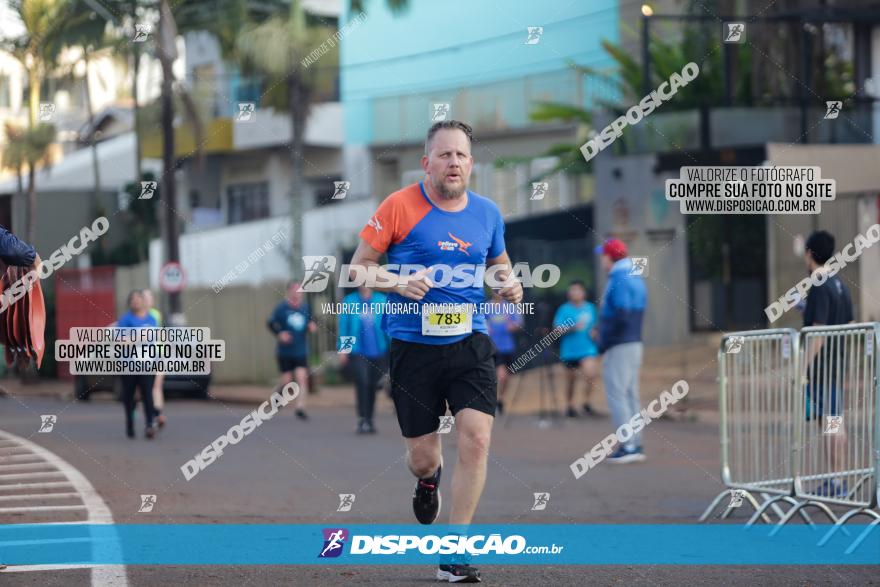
(167, 53)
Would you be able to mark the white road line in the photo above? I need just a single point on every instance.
(26, 467)
(43, 508)
(98, 512)
(30, 568)
(16, 476)
(17, 497)
(21, 457)
(49, 485)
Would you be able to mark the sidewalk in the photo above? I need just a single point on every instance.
(663, 366)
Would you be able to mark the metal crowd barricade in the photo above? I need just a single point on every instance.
(758, 392)
(837, 448)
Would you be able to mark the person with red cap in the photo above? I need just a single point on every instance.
(620, 342)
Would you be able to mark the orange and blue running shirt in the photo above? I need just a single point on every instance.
(410, 229)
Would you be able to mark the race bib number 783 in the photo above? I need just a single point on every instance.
(446, 320)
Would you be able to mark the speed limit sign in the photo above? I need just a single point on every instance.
(172, 277)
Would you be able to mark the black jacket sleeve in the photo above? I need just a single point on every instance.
(15, 251)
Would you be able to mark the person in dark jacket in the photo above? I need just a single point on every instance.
(620, 343)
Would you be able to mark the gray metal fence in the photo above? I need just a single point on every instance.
(799, 419)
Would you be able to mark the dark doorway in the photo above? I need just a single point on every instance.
(727, 257)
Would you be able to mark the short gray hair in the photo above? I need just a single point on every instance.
(448, 125)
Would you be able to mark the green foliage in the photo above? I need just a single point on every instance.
(140, 225)
(27, 146)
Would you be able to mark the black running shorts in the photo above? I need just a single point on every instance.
(288, 364)
(425, 378)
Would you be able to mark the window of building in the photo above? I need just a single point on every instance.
(246, 202)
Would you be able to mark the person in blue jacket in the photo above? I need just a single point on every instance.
(620, 343)
(363, 342)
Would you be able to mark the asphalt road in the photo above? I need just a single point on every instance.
(291, 472)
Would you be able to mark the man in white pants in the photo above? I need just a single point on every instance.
(620, 343)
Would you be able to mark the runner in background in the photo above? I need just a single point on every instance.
(138, 316)
(291, 321)
(578, 350)
(362, 319)
(159, 381)
(503, 325)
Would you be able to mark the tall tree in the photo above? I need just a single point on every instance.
(37, 49)
(85, 31)
(277, 48)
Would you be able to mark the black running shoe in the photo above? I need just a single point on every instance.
(458, 574)
(426, 499)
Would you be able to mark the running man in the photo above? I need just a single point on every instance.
(577, 349)
(290, 321)
(827, 304)
(503, 325)
(159, 381)
(438, 358)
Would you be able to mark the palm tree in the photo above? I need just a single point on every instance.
(277, 49)
(37, 50)
(28, 148)
(86, 31)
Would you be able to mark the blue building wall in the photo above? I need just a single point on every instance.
(471, 53)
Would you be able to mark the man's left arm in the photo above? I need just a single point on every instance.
(511, 288)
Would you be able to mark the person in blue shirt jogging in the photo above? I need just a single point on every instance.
(291, 321)
(138, 316)
(503, 326)
(362, 320)
(577, 349)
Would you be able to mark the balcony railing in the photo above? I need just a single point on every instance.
(688, 130)
(489, 107)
